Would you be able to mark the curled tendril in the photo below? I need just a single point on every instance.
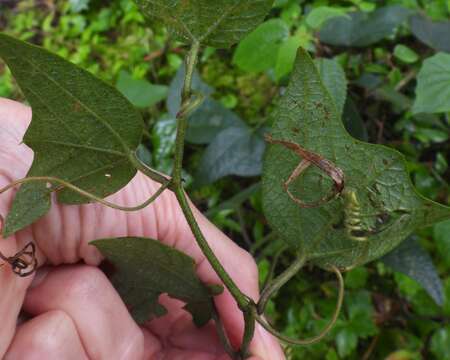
(64, 184)
(24, 263)
(310, 158)
(260, 318)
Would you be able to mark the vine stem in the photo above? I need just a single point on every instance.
(273, 266)
(221, 332)
(324, 332)
(188, 103)
(249, 330)
(88, 195)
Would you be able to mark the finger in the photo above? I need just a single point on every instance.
(242, 268)
(12, 289)
(51, 335)
(163, 220)
(180, 332)
(104, 325)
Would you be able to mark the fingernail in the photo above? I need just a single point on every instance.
(40, 276)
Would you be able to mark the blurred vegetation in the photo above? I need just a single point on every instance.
(388, 52)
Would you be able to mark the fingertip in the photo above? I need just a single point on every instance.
(265, 346)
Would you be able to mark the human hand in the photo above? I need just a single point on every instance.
(76, 313)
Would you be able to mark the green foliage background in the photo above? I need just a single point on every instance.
(392, 71)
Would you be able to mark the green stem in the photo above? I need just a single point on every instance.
(188, 104)
(191, 62)
(242, 300)
(273, 267)
(249, 330)
(223, 334)
(88, 195)
(177, 187)
(278, 282)
(323, 333)
(182, 123)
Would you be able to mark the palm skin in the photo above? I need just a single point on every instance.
(75, 312)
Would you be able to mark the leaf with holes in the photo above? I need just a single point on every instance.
(145, 269)
(82, 130)
(219, 23)
(381, 207)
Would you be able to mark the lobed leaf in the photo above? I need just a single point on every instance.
(145, 269)
(219, 23)
(389, 207)
(82, 130)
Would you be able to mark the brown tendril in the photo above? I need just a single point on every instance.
(308, 158)
(24, 263)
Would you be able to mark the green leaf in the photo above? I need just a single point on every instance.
(389, 207)
(353, 121)
(219, 23)
(399, 101)
(286, 56)
(405, 54)
(145, 269)
(440, 343)
(140, 93)
(319, 15)
(234, 151)
(441, 235)
(433, 85)
(412, 260)
(356, 278)
(334, 79)
(82, 130)
(433, 34)
(363, 29)
(346, 342)
(79, 5)
(361, 314)
(209, 120)
(258, 51)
